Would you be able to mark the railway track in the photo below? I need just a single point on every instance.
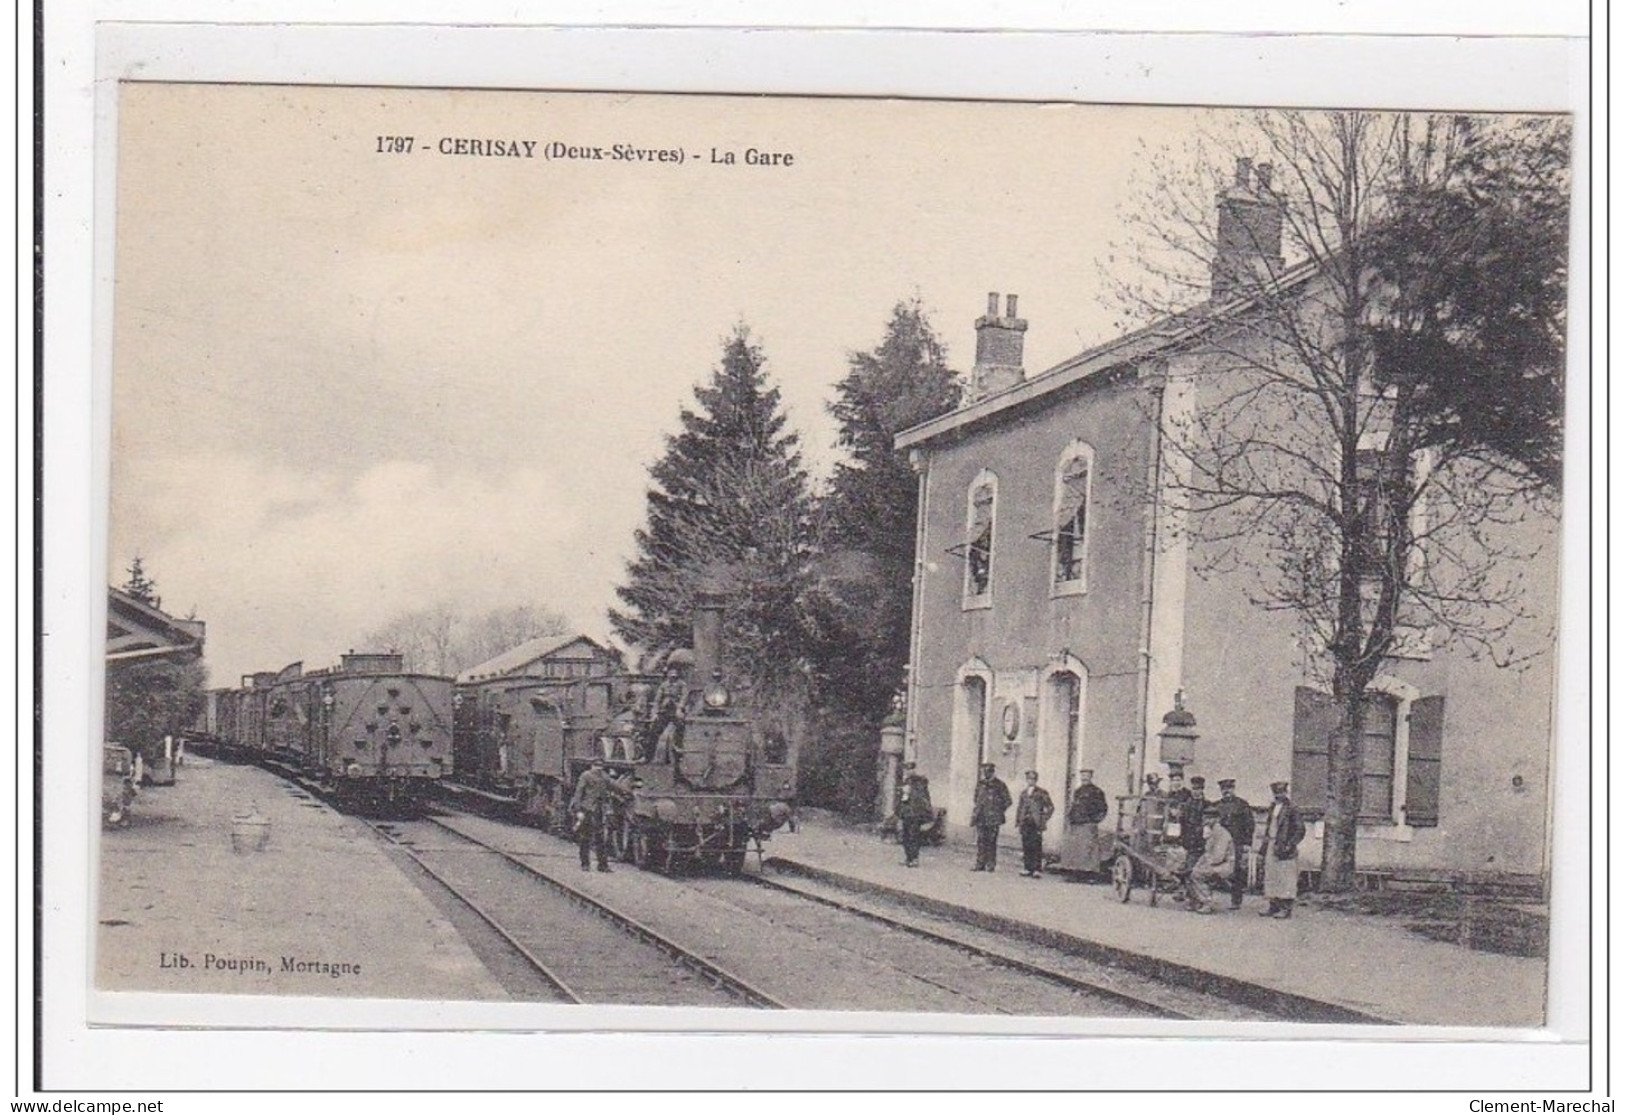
(825, 955)
(589, 950)
(810, 943)
(1138, 995)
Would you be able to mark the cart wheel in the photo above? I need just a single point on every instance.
(1122, 878)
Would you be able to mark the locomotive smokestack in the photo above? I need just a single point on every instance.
(707, 636)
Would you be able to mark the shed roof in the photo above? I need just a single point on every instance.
(137, 630)
(516, 659)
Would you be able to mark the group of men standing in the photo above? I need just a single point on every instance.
(992, 803)
(1216, 837)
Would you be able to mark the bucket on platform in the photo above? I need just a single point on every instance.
(250, 832)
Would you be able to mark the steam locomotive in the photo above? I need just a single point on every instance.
(366, 731)
(703, 784)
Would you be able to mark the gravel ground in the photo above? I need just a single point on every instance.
(320, 911)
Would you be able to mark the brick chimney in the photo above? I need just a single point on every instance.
(1247, 246)
(998, 350)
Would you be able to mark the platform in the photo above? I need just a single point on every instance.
(321, 910)
(1370, 966)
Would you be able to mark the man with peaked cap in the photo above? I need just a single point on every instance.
(1283, 832)
(1033, 811)
(991, 803)
(1192, 812)
(592, 806)
(1235, 815)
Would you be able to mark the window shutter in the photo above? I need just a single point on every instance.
(1314, 719)
(1426, 761)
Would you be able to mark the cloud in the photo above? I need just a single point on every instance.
(285, 564)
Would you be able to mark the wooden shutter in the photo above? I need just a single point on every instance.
(1426, 761)
(1314, 719)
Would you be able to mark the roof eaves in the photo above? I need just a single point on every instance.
(1091, 362)
(1139, 344)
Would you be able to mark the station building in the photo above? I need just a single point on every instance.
(1062, 607)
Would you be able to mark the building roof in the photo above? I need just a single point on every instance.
(136, 630)
(1093, 364)
(516, 659)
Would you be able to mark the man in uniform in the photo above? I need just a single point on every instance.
(595, 793)
(987, 816)
(1033, 811)
(1236, 816)
(1283, 832)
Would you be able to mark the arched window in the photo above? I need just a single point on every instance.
(1073, 478)
(978, 545)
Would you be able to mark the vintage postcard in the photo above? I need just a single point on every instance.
(1056, 560)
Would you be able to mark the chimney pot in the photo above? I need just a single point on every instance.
(1009, 305)
(1262, 173)
(1244, 171)
(992, 303)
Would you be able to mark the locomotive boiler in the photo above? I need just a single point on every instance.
(704, 784)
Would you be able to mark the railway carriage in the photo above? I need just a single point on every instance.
(366, 730)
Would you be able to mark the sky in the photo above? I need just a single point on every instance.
(349, 384)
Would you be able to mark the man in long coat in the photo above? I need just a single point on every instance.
(992, 802)
(1033, 811)
(1236, 815)
(1080, 848)
(1283, 832)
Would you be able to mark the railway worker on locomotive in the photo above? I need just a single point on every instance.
(669, 707)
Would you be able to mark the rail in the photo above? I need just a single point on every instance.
(719, 976)
(994, 956)
(540, 966)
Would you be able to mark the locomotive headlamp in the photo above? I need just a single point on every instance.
(717, 696)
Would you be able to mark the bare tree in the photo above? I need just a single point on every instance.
(1326, 460)
(440, 640)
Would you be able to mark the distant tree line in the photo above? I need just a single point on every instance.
(441, 639)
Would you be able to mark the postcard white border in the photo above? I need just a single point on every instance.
(1536, 74)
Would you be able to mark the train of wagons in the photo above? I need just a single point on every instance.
(701, 783)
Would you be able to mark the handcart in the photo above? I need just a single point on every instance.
(1144, 852)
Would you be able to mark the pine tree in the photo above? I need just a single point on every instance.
(728, 508)
(868, 550)
(140, 586)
